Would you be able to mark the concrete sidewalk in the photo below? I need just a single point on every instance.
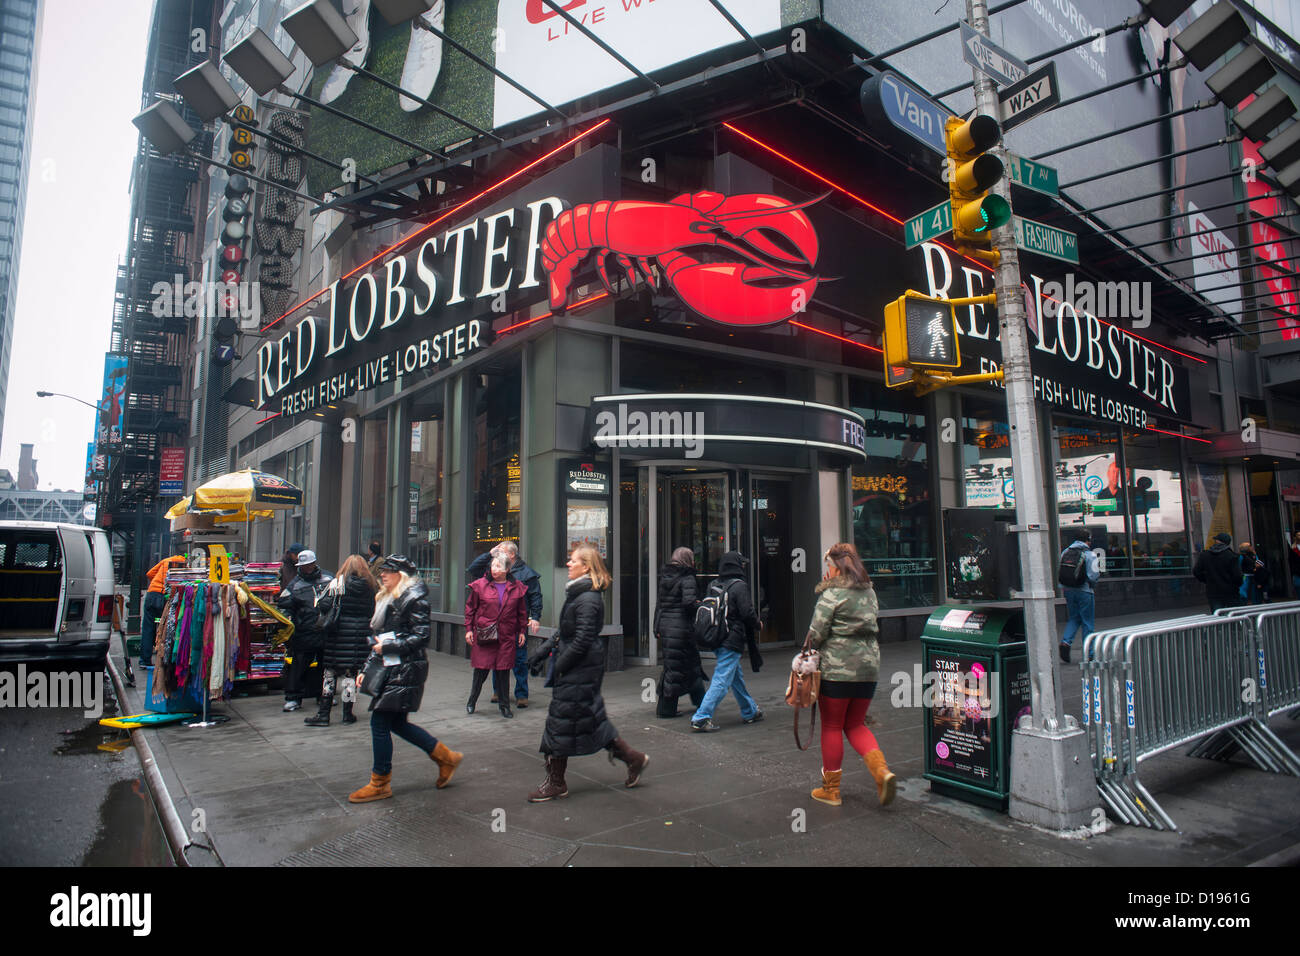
(273, 791)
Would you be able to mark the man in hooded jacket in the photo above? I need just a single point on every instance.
(1219, 569)
(742, 626)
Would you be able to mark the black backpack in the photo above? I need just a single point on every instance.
(1073, 571)
(711, 618)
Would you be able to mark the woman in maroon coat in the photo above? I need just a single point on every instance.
(494, 599)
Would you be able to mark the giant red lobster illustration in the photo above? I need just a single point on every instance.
(739, 260)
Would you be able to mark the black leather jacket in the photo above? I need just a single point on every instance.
(408, 619)
(300, 606)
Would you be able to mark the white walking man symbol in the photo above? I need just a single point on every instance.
(938, 338)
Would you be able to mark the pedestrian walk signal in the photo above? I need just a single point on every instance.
(921, 332)
(972, 171)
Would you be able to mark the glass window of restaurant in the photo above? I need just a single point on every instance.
(496, 425)
(893, 517)
(1154, 469)
(374, 464)
(424, 521)
(987, 477)
(1090, 491)
(1209, 503)
(297, 471)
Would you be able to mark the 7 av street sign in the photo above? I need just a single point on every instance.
(931, 223)
(990, 59)
(1036, 93)
(1032, 175)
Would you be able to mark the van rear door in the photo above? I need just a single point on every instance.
(32, 592)
(78, 586)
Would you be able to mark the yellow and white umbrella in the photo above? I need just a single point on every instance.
(247, 489)
(220, 516)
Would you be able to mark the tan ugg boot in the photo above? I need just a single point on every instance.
(886, 782)
(447, 761)
(376, 789)
(829, 791)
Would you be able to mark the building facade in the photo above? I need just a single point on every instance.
(20, 35)
(443, 366)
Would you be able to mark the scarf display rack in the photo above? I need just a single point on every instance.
(212, 636)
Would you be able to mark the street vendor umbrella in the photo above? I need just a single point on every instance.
(219, 515)
(250, 489)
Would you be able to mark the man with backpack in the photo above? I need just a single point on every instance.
(1078, 572)
(726, 622)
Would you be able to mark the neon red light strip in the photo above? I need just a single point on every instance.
(267, 418)
(578, 304)
(858, 199)
(451, 212)
(1203, 441)
(861, 345)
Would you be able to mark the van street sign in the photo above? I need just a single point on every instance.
(1046, 240)
(1032, 175)
(907, 108)
(990, 59)
(1036, 93)
(931, 223)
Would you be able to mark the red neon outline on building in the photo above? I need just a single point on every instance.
(451, 212)
(858, 199)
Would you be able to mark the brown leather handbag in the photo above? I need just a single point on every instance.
(805, 684)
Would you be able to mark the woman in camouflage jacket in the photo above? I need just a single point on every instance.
(844, 630)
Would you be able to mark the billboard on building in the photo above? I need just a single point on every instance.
(112, 403)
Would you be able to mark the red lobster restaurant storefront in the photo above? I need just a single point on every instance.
(660, 328)
(725, 392)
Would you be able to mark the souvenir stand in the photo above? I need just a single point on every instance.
(219, 627)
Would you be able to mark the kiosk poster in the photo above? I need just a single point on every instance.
(961, 717)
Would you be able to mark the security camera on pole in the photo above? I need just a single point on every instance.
(1051, 776)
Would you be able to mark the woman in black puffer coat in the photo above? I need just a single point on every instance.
(400, 629)
(576, 723)
(347, 641)
(678, 598)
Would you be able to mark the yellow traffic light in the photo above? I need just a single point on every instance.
(971, 172)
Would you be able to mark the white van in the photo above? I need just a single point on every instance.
(56, 592)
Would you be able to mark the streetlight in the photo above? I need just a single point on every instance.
(98, 408)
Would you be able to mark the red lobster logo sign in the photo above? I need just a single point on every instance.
(739, 260)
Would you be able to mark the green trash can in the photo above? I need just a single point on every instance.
(975, 687)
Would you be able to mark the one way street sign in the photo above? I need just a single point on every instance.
(1036, 93)
(990, 59)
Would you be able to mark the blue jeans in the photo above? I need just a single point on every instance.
(521, 672)
(726, 675)
(385, 723)
(1080, 602)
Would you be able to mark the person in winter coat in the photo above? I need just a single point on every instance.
(675, 625)
(1219, 569)
(1293, 560)
(532, 581)
(742, 626)
(299, 603)
(154, 603)
(400, 632)
(1080, 601)
(844, 631)
(347, 641)
(495, 628)
(1254, 574)
(576, 723)
(289, 565)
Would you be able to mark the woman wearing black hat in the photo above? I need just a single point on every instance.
(400, 632)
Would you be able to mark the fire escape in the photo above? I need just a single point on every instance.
(168, 202)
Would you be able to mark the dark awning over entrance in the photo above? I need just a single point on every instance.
(743, 429)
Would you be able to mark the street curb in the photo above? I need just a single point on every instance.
(177, 839)
(1287, 857)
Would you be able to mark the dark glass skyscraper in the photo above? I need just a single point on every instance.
(20, 29)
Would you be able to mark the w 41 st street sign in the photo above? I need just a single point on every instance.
(931, 223)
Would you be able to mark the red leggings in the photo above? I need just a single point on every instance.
(840, 718)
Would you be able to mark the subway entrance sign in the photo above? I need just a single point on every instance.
(921, 332)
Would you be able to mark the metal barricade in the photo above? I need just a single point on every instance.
(1155, 686)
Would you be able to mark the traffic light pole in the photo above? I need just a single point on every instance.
(1051, 777)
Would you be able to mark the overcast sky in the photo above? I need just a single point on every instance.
(90, 67)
